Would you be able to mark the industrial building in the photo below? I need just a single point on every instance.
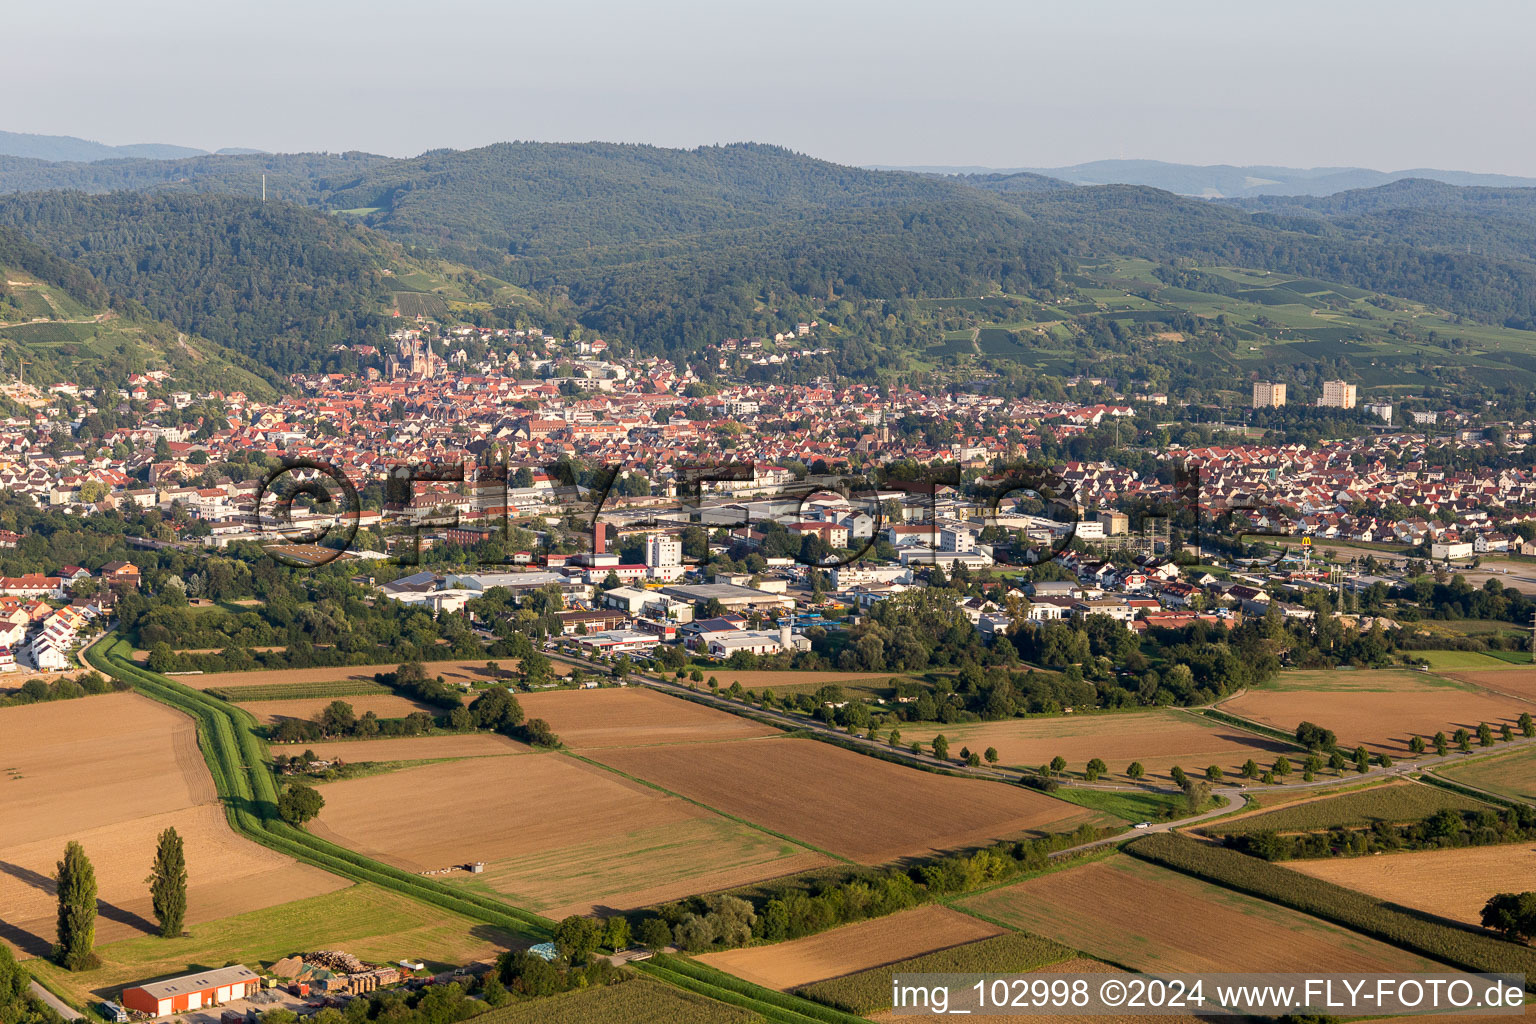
(192, 991)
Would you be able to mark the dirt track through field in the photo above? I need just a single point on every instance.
(852, 948)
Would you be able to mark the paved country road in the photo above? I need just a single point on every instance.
(54, 1003)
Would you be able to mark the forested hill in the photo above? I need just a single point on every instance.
(62, 321)
(1498, 222)
(674, 249)
(296, 177)
(273, 281)
(538, 199)
(1431, 266)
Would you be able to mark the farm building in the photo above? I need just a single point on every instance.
(192, 991)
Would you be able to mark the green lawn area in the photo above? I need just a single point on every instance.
(640, 1001)
(1512, 775)
(1127, 804)
(365, 920)
(1374, 680)
(1462, 661)
(1395, 804)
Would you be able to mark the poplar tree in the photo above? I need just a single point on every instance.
(77, 909)
(168, 884)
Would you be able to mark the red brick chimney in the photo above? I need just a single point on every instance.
(600, 538)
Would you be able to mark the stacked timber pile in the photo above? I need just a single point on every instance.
(338, 961)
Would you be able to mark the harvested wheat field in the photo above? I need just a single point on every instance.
(112, 772)
(633, 716)
(1158, 739)
(1148, 918)
(1381, 709)
(557, 835)
(410, 748)
(852, 948)
(270, 712)
(1079, 965)
(1449, 883)
(451, 671)
(1517, 681)
(858, 807)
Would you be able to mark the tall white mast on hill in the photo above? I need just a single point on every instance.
(263, 188)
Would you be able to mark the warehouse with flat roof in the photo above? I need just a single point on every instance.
(192, 991)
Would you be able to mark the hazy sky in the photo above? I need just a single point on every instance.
(1407, 83)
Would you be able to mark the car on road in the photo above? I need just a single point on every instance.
(1142, 824)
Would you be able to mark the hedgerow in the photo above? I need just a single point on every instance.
(1462, 947)
(870, 991)
(237, 759)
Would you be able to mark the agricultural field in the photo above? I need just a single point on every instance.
(1158, 739)
(1077, 965)
(633, 716)
(299, 691)
(1147, 918)
(112, 772)
(1453, 663)
(451, 671)
(558, 836)
(1395, 803)
(1511, 775)
(1515, 681)
(366, 920)
(270, 712)
(410, 748)
(852, 948)
(1453, 884)
(1007, 952)
(852, 805)
(1379, 708)
(639, 1001)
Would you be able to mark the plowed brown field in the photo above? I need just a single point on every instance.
(632, 717)
(1082, 965)
(386, 705)
(858, 807)
(112, 772)
(1515, 681)
(1152, 919)
(1450, 883)
(1381, 709)
(451, 671)
(852, 948)
(1158, 739)
(411, 748)
(557, 835)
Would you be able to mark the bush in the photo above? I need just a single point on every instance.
(299, 804)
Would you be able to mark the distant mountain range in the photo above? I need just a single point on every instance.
(1224, 181)
(61, 148)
